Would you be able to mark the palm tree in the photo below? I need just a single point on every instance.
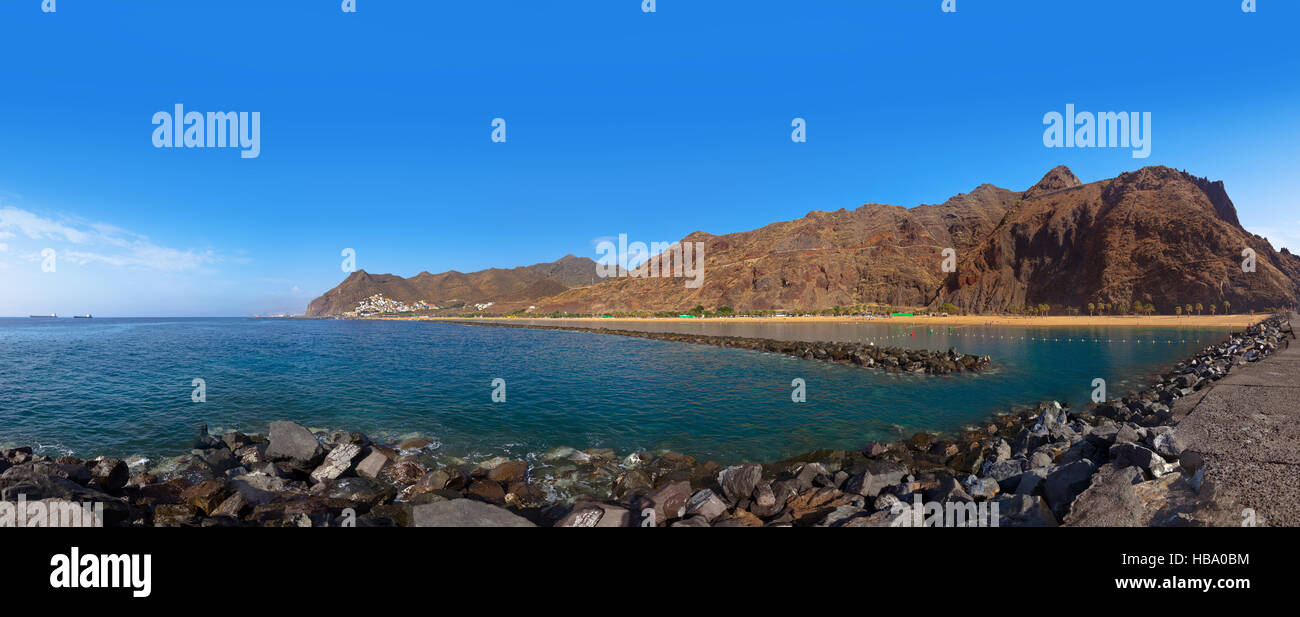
(1226, 306)
(1199, 308)
(1187, 308)
(1178, 310)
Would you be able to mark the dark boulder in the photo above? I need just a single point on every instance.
(292, 442)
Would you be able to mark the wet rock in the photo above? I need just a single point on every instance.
(218, 458)
(206, 496)
(403, 472)
(252, 454)
(508, 472)
(75, 473)
(414, 443)
(809, 475)
(608, 515)
(765, 503)
(337, 462)
(443, 478)
(921, 442)
(235, 440)
(109, 474)
(811, 506)
(373, 465)
(738, 481)
(233, 505)
(632, 484)
(874, 449)
(168, 492)
(706, 504)
(291, 441)
(204, 440)
(258, 488)
(395, 514)
(525, 495)
(175, 515)
(582, 517)
(488, 491)
(465, 513)
(669, 502)
(875, 477)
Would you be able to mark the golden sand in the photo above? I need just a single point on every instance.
(1154, 321)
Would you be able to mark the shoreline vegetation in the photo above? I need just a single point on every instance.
(1118, 462)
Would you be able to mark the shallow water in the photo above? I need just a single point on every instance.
(122, 387)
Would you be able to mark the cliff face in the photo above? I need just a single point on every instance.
(876, 252)
(1155, 235)
(512, 286)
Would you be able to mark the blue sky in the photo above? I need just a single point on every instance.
(375, 128)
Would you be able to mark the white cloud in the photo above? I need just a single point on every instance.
(38, 228)
(101, 243)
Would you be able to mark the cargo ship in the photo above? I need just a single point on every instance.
(86, 316)
(50, 316)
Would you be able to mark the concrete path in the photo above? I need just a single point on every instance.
(1247, 426)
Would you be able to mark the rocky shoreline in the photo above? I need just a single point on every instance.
(893, 359)
(1115, 463)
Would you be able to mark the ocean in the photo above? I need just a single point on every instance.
(124, 387)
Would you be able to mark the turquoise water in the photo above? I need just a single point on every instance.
(122, 387)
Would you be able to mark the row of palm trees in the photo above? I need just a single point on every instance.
(1138, 308)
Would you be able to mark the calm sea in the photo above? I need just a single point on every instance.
(122, 387)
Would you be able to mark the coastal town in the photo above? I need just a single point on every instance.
(378, 304)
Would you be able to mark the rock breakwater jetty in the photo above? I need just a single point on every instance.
(894, 359)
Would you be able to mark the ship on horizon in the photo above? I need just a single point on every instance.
(86, 316)
(50, 316)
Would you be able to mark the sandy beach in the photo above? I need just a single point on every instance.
(1154, 321)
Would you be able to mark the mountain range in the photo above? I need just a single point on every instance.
(1155, 235)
